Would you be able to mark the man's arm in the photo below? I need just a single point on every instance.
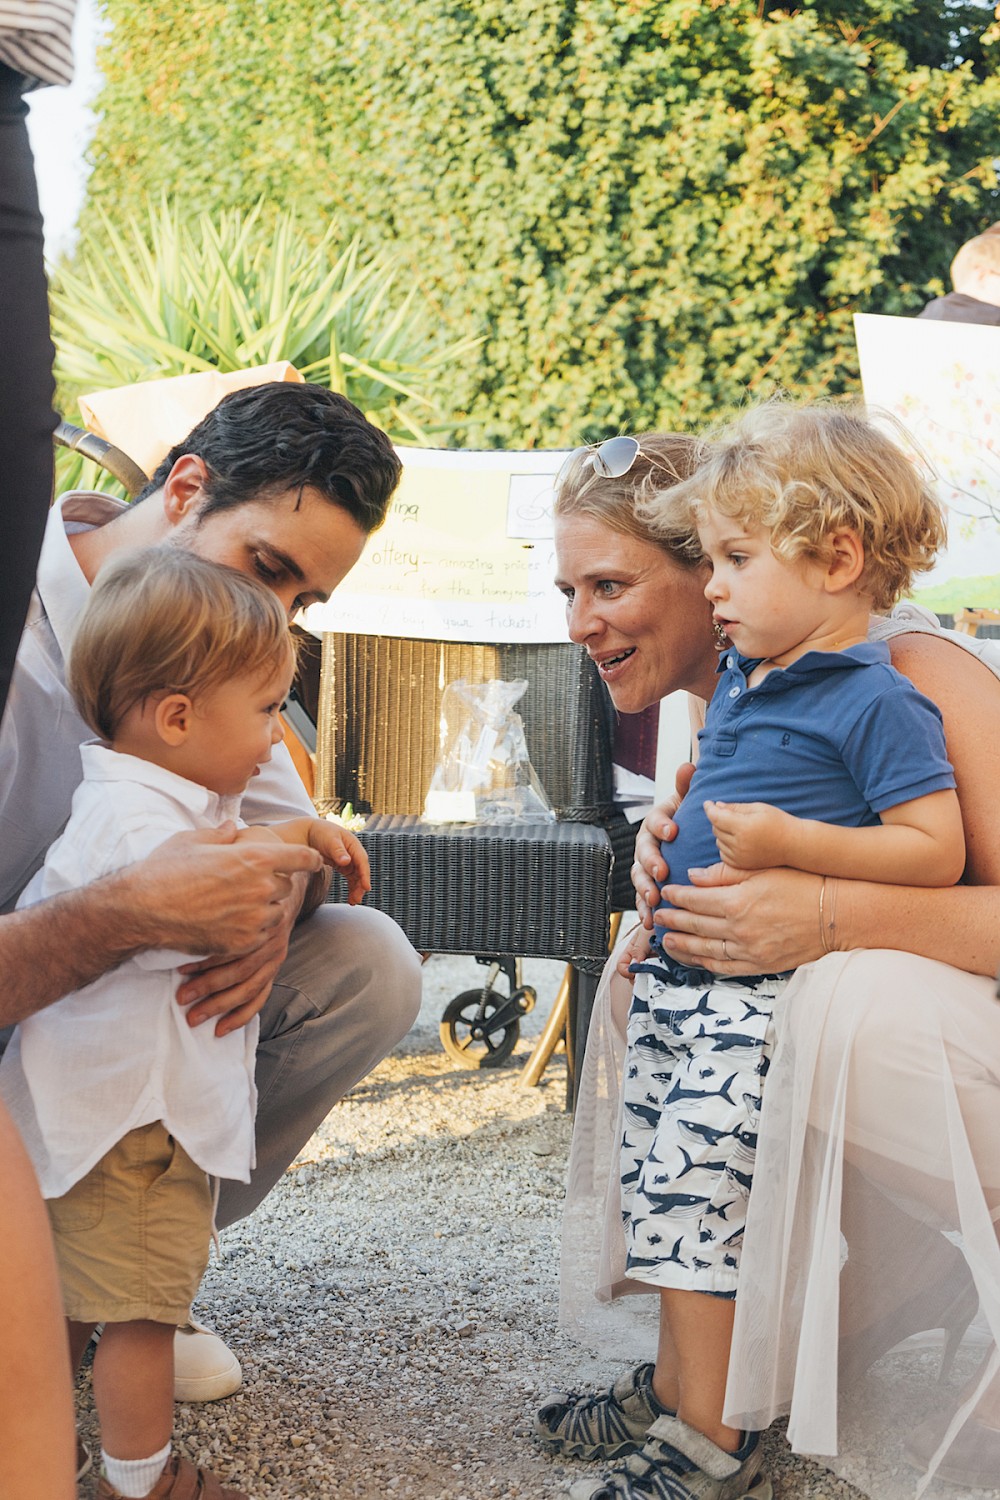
(195, 892)
(919, 842)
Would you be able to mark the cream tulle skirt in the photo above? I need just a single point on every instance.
(871, 1244)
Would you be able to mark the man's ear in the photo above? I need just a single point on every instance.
(846, 561)
(172, 718)
(184, 487)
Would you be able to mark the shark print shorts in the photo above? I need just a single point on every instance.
(691, 1098)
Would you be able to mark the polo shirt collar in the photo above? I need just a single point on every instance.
(100, 763)
(61, 585)
(865, 654)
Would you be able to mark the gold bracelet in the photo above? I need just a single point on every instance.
(831, 926)
(828, 929)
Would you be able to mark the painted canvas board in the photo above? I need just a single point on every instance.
(942, 380)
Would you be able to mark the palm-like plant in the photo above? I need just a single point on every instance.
(169, 296)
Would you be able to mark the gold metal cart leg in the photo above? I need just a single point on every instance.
(554, 1030)
(551, 1035)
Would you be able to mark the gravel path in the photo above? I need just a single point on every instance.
(393, 1301)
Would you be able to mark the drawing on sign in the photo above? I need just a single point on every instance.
(942, 380)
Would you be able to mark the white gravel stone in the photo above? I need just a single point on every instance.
(393, 1302)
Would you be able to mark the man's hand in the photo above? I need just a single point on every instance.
(650, 869)
(752, 835)
(236, 989)
(236, 899)
(205, 893)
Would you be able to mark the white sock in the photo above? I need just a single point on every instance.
(135, 1477)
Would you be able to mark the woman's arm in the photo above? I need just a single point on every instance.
(770, 920)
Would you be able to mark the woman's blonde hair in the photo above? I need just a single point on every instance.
(804, 472)
(164, 621)
(623, 504)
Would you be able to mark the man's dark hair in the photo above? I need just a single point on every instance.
(273, 438)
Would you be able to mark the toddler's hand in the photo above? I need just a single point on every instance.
(752, 835)
(635, 951)
(345, 852)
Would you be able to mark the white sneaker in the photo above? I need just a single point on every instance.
(204, 1368)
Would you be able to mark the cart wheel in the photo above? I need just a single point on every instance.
(478, 1030)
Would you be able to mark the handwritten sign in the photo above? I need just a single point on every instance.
(465, 554)
(942, 380)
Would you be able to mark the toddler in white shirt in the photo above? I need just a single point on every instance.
(181, 667)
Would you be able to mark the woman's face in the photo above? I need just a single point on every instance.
(643, 618)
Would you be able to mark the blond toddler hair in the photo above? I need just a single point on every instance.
(161, 621)
(804, 472)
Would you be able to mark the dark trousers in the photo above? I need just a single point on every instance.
(26, 387)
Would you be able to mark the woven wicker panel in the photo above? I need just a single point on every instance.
(539, 890)
(379, 706)
(622, 835)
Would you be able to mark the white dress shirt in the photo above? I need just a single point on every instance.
(41, 732)
(119, 1054)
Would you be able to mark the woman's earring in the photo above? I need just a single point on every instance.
(721, 638)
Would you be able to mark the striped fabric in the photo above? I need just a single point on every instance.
(36, 39)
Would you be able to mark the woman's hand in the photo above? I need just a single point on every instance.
(650, 869)
(735, 922)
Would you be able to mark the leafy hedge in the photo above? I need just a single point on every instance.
(646, 206)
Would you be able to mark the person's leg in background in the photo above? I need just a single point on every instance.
(26, 387)
(37, 1431)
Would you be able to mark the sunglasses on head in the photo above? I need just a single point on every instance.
(609, 460)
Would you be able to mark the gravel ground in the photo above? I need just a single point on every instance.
(393, 1301)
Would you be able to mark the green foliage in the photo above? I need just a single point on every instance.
(171, 297)
(646, 207)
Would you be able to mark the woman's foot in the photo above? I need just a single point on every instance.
(951, 1306)
(972, 1458)
(678, 1463)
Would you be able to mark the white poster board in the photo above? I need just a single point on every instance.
(942, 380)
(465, 554)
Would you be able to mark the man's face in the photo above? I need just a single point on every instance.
(300, 547)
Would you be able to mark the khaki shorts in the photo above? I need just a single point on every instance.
(132, 1237)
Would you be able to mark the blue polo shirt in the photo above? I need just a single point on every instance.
(838, 736)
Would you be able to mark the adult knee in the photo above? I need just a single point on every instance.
(397, 967)
(357, 956)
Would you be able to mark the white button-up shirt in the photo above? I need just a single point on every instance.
(119, 1054)
(41, 733)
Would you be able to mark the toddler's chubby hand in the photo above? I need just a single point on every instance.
(635, 951)
(345, 852)
(752, 835)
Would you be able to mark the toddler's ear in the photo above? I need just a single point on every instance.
(847, 561)
(172, 718)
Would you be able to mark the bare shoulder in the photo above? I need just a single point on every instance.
(968, 695)
(943, 670)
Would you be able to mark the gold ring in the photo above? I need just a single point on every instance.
(725, 951)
